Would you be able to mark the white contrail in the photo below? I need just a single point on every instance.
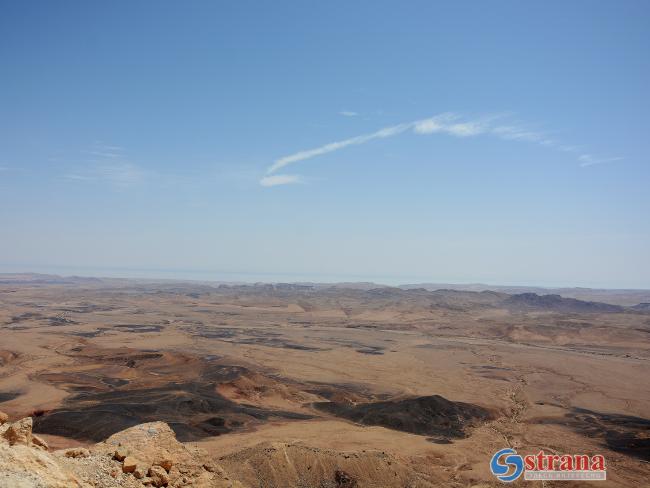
(445, 123)
(335, 146)
(589, 160)
(274, 180)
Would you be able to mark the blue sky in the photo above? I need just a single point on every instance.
(499, 142)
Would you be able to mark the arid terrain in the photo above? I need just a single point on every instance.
(331, 386)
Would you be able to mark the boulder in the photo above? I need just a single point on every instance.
(212, 467)
(38, 442)
(19, 432)
(153, 444)
(77, 452)
(3, 418)
(159, 476)
(165, 463)
(344, 480)
(25, 466)
(120, 453)
(129, 464)
(140, 471)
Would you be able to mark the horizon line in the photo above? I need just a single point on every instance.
(381, 281)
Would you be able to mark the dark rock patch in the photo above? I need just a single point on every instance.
(6, 396)
(376, 351)
(439, 440)
(96, 415)
(138, 328)
(24, 316)
(344, 480)
(433, 415)
(89, 334)
(622, 433)
(556, 303)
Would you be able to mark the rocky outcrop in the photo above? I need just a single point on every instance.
(76, 452)
(279, 464)
(24, 461)
(149, 455)
(429, 415)
(144, 455)
(555, 303)
(37, 441)
(19, 432)
(344, 480)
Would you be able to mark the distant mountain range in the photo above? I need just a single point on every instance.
(477, 294)
(625, 297)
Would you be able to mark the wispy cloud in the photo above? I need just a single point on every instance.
(589, 160)
(110, 165)
(515, 133)
(121, 174)
(348, 113)
(448, 123)
(335, 146)
(106, 151)
(452, 124)
(275, 180)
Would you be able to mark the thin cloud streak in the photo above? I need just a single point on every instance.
(108, 151)
(335, 146)
(589, 160)
(121, 175)
(275, 180)
(110, 166)
(446, 123)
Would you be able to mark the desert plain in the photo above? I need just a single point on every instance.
(313, 385)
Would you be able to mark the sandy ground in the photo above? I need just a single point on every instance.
(555, 381)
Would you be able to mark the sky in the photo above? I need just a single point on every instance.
(501, 142)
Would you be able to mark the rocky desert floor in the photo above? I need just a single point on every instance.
(317, 386)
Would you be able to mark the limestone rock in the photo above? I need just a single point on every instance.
(37, 441)
(19, 432)
(159, 476)
(155, 444)
(165, 463)
(213, 468)
(77, 452)
(129, 464)
(150, 456)
(3, 418)
(344, 480)
(120, 453)
(140, 471)
(25, 466)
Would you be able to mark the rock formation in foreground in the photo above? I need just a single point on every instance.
(149, 455)
(144, 455)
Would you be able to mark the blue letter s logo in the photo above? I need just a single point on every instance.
(500, 470)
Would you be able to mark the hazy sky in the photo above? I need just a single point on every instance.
(500, 142)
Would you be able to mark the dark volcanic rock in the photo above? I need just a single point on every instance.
(557, 303)
(344, 480)
(622, 433)
(431, 415)
(6, 396)
(95, 416)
